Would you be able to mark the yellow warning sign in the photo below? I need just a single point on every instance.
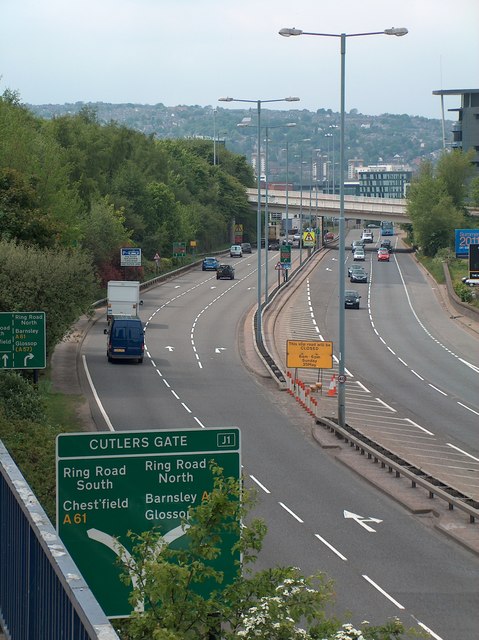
(309, 238)
(309, 354)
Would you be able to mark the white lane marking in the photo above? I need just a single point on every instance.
(429, 433)
(96, 396)
(175, 394)
(386, 405)
(428, 630)
(461, 451)
(362, 386)
(436, 389)
(468, 408)
(402, 362)
(200, 423)
(259, 484)
(291, 513)
(330, 546)
(468, 364)
(417, 374)
(186, 407)
(376, 586)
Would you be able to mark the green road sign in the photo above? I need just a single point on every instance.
(285, 254)
(179, 249)
(110, 483)
(22, 340)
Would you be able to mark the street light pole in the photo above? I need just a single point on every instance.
(287, 32)
(259, 336)
(214, 137)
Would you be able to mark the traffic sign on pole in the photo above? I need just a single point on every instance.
(111, 483)
(22, 340)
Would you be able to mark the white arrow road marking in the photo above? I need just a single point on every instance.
(122, 552)
(220, 349)
(170, 348)
(362, 520)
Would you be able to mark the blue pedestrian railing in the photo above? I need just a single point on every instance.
(42, 594)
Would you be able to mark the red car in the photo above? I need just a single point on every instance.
(383, 255)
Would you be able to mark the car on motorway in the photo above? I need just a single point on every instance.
(236, 251)
(386, 244)
(359, 254)
(273, 245)
(357, 244)
(225, 271)
(353, 267)
(373, 225)
(358, 275)
(351, 299)
(383, 254)
(246, 247)
(209, 264)
(367, 235)
(328, 236)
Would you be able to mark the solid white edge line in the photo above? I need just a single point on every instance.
(291, 513)
(259, 484)
(95, 395)
(461, 451)
(330, 546)
(385, 594)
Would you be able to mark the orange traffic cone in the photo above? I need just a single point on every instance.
(332, 386)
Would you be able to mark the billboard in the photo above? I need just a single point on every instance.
(464, 238)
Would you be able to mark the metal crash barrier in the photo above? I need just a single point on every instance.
(42, 594)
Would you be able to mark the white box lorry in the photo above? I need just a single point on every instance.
(123, 298)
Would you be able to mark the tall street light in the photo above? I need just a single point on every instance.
(258, 103)
(401, 31)
(246, 122)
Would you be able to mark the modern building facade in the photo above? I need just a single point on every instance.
(465, 131)
(383, 181)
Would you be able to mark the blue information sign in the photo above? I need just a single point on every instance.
(464, 238)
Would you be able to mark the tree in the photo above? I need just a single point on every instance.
(433, 213)
(455, 170)
(273, 604)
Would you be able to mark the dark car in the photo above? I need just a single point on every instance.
(354, 266)
(358, 275)
(210, 264)
(351, 299)
(225, 271)
(246, 247)
(273, 245)
(386, 244)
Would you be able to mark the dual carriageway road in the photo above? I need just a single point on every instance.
(193, 377)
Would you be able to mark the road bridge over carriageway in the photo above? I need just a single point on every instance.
(327, 205)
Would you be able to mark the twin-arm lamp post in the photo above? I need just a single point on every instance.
(287, 32)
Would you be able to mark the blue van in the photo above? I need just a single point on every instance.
(126, 339)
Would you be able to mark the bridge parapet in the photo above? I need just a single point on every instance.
(323, 204)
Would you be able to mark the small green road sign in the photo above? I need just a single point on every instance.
(22, 340)
(285, 254)
(110, 483)
(179, 249)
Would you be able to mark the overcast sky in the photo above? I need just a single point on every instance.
(192, 52)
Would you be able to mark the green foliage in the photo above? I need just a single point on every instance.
(19, 398)
(455, 169)
(60, 282)
(433, 213)
(273, 604)
(474, 192)
(464, 292)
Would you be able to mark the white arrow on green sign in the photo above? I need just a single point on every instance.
(22, 340)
